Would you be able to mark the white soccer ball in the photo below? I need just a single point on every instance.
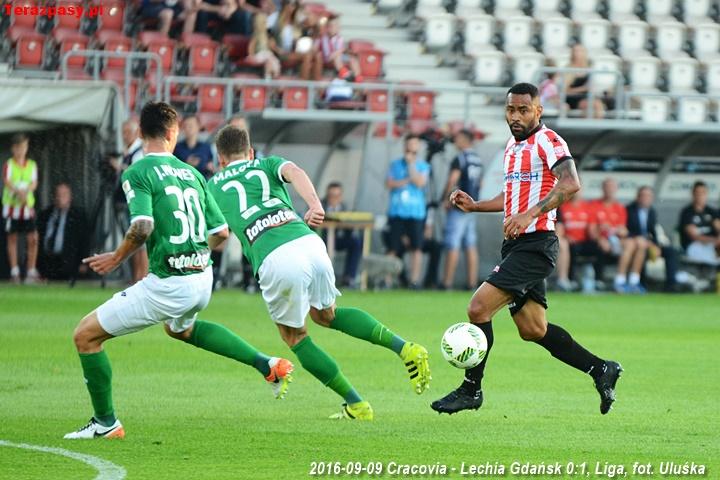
(464, 345)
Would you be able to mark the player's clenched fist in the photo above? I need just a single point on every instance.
(102, 263)
(315, 216)
(462, 200)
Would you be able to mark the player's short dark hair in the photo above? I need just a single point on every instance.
(411, 136)
(19, 138)
(191, 116)
(156, 119)
(334, 185)
(698, 184)
(467, 133)
(524, 89)
(232, 141)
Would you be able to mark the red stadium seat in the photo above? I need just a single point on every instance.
(71, 40)
(24, 20)
(377, 101)
(211, 98)
(371, 63)
(113, 41)
(118, 76)
(156, 42)
(210, 121)
(190, 39)
(29, 50)
(68, 21)
(77, 74)
(203, 52)
(420, 105)
(253, 98)
(356, 46)
(236, 46)
(112, 16)
(295, 98)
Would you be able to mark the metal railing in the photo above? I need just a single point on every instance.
(129, 57)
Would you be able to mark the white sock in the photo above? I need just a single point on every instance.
(634, 278)
(619, 279)
(15, 271)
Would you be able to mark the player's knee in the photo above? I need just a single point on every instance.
(184, 335)
(478, 313)
(532, 332)
(323, 317)
(82, 338)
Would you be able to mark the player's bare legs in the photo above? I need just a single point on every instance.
(563, 264)
(451, 259)
(12, 257)
(533, 327)
(484, 304)
(629, 247)
(471, 257)
(32, 250)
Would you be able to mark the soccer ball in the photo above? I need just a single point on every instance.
(464, 345)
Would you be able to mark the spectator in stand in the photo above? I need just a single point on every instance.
(260, 48)
(20, 179)
(234, 16)
(165, 11)
(466, 171)
(330, 50)
(63, 233)
(192, 151)
(288, 34)
(575, 225)
(349, 240)
(549, 92)
(406, 180)
(612, 232)
(700, 227)
(578, 84)
(644, 243)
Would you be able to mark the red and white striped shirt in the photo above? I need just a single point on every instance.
(528, 175)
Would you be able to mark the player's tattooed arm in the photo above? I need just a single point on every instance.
(567, 185)
(135, 237)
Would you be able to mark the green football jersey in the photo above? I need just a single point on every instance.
(173, 194)
(253, 198)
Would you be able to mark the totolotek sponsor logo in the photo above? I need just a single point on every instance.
(269, 221)
(189, 261)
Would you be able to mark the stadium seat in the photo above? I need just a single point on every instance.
(594, 35)
(235, 46)
(655, 109)
(546, 9)
(112, 41)
(582, 10)
(112, 16)
(71, 40)
(156, 42)
(466, 8)
(211, 98)
(556, 33)
(439, 30)
(29, 47)
(24, 20)
(712, 76)
(682, 74)
(68, 21)
(670, 39)
(643, 73)
(695, 11)
(295, 98)
(377, 100)
(605, 82)
(526, 66)
(517, 33)
(692, 110)
(210, 121)
(478, 31)
(489, 68)
(706, 40)
(77, 74)
(253, 98)
(420, 105)
(508, 8)
(632, 37)
(621, 10)
(658, 11)
(371, 63)
(202, 56)
(429, 8)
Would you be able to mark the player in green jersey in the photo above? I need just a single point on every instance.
(295, 273)
(172, 212)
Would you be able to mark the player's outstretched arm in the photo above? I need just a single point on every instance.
(466, 203)
(299, 179)
(217, 239)
(135, 237)
(567, 185)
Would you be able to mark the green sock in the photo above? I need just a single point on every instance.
(215, 338)
(323, 367)
(360, 324)
(98, 378)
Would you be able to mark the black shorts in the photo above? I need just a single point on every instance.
(411, 228)
(526, 262)
(20, 226)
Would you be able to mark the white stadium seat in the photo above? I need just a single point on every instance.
(507, 8)
(696, 10)
(582, 10)
(466, 8)
(643, 73)
(389, 4)
(682, 74)
(556, 33)
(657, 11)
(602, 82)
(439, 30)
(692, 109)
(621, 10)
(706, 40)
(489, 68)
(429, 8)
(712, 76)
(526, 66)
(545, 9)
(479, 29)
(517, 33)
(594, 35)
(669, 38)
(654, 109)
(632, 37)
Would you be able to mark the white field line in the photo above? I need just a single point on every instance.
(106, 470)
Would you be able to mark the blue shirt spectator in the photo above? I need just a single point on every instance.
(194, 152)
(408, 200)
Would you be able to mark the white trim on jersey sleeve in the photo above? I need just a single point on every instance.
(215, 230)
(553, 151)
(142, 217)
(279, 170)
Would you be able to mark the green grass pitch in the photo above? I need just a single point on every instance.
(190, 414)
